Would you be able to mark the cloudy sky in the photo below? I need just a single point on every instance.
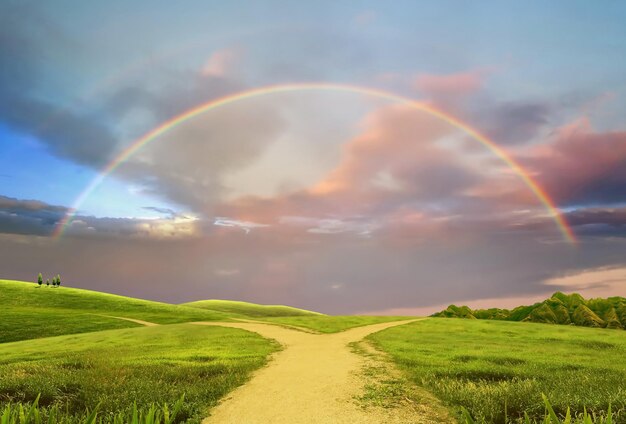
(333, 200)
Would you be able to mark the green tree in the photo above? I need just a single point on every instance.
(39, 279)
(58, 280)
(47, 281)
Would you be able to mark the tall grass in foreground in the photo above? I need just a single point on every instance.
(552, 418)
(117, 368)
(24, 413)
(496, 370)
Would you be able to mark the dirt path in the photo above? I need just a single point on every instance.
(136, 321)
(316, 378)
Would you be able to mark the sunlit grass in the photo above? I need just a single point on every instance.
(332, 324)
(30, 312)
(115, 368)
(33, 413)
(500, 369)
(251, 310)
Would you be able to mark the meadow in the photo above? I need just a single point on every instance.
(331, 323)
(119, 368)
(30, 312)
(499, 370)
(63, 350)
(250, 310)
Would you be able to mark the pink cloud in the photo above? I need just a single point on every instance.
(385, 173)
(459, 84)
(578, 161)
(221, 62)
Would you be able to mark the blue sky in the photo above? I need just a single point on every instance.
(311, 173)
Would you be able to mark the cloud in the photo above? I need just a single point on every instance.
(466, 96)
(356, 225)
(226, 272)
(247, 226)
(163, 211)
(580, 166)
(32, 217)
(450, 85)
(596, 282)
(28, 216)
(403, 178)
(27, 43)
(222, 62)
(613, 217)
(516, 122)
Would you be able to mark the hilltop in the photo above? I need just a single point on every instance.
(560, 308)
(251, 310)
(29, 311)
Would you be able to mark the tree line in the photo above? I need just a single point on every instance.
(56, 281)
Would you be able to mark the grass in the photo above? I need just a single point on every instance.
(250, 310)
(332, 324)
(115, 368)
(498, 370)
(30, 312)
(32, 413)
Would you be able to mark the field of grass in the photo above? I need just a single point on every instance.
(30, 312)
(497, 369)
(332, 324)
(144, 365)
(250, 310)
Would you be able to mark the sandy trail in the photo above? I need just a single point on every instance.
(136, 321)
(314, 379)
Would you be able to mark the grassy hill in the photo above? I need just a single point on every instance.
(251, 310)
(560, 308)
(497, 369)
(29, 311)
(332, 324)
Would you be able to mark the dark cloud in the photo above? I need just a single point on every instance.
(185, 166)
(593, 216)
(163, 211)
(464, 95)
(580, 166)
(28, 216)
(32, 217)
(66, 134)
(516, 122)
(27, 43)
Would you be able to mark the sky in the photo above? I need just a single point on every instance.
(425, 153)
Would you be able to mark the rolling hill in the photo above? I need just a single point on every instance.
(251, 310)
(560, 308)
(29, 311)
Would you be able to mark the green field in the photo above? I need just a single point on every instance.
(65, 345)
(332, 324)
(144, 365)
(249, 310)
(30, 312)
(494, 368)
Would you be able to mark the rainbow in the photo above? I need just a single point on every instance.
(166, 126)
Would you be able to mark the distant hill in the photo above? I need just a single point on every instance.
(251, 310)
(560, 308)
(28, 311)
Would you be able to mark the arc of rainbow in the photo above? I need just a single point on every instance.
(164, 127)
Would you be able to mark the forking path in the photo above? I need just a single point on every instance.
(314, 379)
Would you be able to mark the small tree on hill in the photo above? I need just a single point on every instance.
(47, 281)
(54, 281)
(58, 280)
(39, 279)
